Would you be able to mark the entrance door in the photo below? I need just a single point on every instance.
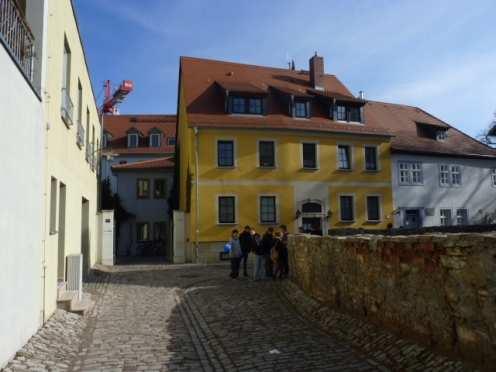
(311, 221)
(412, 219)
(312, 225)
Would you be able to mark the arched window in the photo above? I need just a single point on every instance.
(311, 207)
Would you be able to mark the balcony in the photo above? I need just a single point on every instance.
(80, 135)
(66, 107)
(17, 36)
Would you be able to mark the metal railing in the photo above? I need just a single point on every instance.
(80, 135)
(16, 33)
(66, 107)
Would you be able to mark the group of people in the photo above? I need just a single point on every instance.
(270, 250)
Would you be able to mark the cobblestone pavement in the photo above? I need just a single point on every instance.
(187, 318)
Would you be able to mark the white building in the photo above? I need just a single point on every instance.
(22, 51)
(441, 176)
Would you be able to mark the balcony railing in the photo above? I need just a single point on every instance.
(80, 135)
(17, 35)
(66, 107)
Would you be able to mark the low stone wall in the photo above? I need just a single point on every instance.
(437, 289)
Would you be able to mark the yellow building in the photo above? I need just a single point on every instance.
(265, 146)
(72, 141)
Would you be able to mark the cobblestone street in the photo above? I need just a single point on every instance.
(187, 318)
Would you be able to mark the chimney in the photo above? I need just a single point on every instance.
(361, 94)
(317, 72)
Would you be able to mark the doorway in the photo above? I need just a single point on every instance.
(412, 219)
(311, 221)
(85, 235)
(61, 234)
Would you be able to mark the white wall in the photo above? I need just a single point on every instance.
(21, 195)
(476, 192)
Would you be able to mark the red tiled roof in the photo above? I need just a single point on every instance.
(119, 125)
(205, 104)
(160, 163)
(402, 121)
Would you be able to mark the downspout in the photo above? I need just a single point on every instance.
(197, 201)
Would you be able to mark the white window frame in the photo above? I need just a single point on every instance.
(410, 171)
(351, 159)
(449, 172)
(453, 172)
(150, 141)
(317, 155)
(260, 209)
(235, 153)
(456, 216)
(129, 135)
(379, 196)
(378, 165)
(236, 209)
(276, 164)
(353, 205)
(450, 222)
(444, 172)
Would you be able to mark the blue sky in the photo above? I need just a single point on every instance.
(439, 55)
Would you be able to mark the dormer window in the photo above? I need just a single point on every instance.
(347, 113)
(246, 105)
(341, 113)
(441, 135)
(301, 109)
(132, 140)
(155, 139)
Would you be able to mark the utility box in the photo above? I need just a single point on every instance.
(108, 237)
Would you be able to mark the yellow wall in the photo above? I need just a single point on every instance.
(64, 159)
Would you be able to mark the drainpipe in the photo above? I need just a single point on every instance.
(197, 201)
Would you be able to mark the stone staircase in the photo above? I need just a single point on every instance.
(69, 301)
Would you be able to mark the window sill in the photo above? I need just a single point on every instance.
(372, 171)
(310, 169)
(345, 169)
(267, 168)
(349, 222)
(268, 223)
(226, 167)
(349, 122)
(375, 222)
(53, 232)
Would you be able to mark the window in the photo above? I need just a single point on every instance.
(66, 67)
(450, 175)
(80, 103)
(159, 231)
(346, 208)
(171, 141)
(354, 114)
(445, 217)
(373, 208)
(444, 175)
(227, 209)
(341, 113)
(410, 173)
(266, 151)
(53, 205)
(255, 106)
(142, 231)
(225, 153)
(493, 177)
(143, 188)
(132, 140)
(155, 139)
(462, 216)
(344, 160)
(159, 188)
(309, 155)
(87, 132)
(371, 163)
(441, 135)
(238, 105)
(456, 175)
(268, 209)
(300, 110)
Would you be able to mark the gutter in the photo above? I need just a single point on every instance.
(197, 201)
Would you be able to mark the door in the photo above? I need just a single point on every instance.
(312, 225)
(85, 235)
(412, 219)
(61, 236)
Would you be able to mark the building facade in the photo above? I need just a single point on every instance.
(72, 138)
(144, 188)
(22, 63)
(441, 176)
(138, 164)
(265, 146)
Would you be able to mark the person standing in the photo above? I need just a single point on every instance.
(258, 273)
(267, 244)
(276, 257)
(284, 251)
(235, 254)
(246, 242)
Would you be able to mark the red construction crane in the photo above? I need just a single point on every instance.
(113, 99)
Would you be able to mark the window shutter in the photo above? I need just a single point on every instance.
(362, 116)
(309, 114)
(264, 106)
(292, 107)
(333, 110)
(228, 103)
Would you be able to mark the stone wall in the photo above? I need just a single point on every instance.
(438, 289)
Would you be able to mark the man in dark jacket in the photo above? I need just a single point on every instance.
(268, 242)
(246, 242)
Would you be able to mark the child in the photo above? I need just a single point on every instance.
(235, 254)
